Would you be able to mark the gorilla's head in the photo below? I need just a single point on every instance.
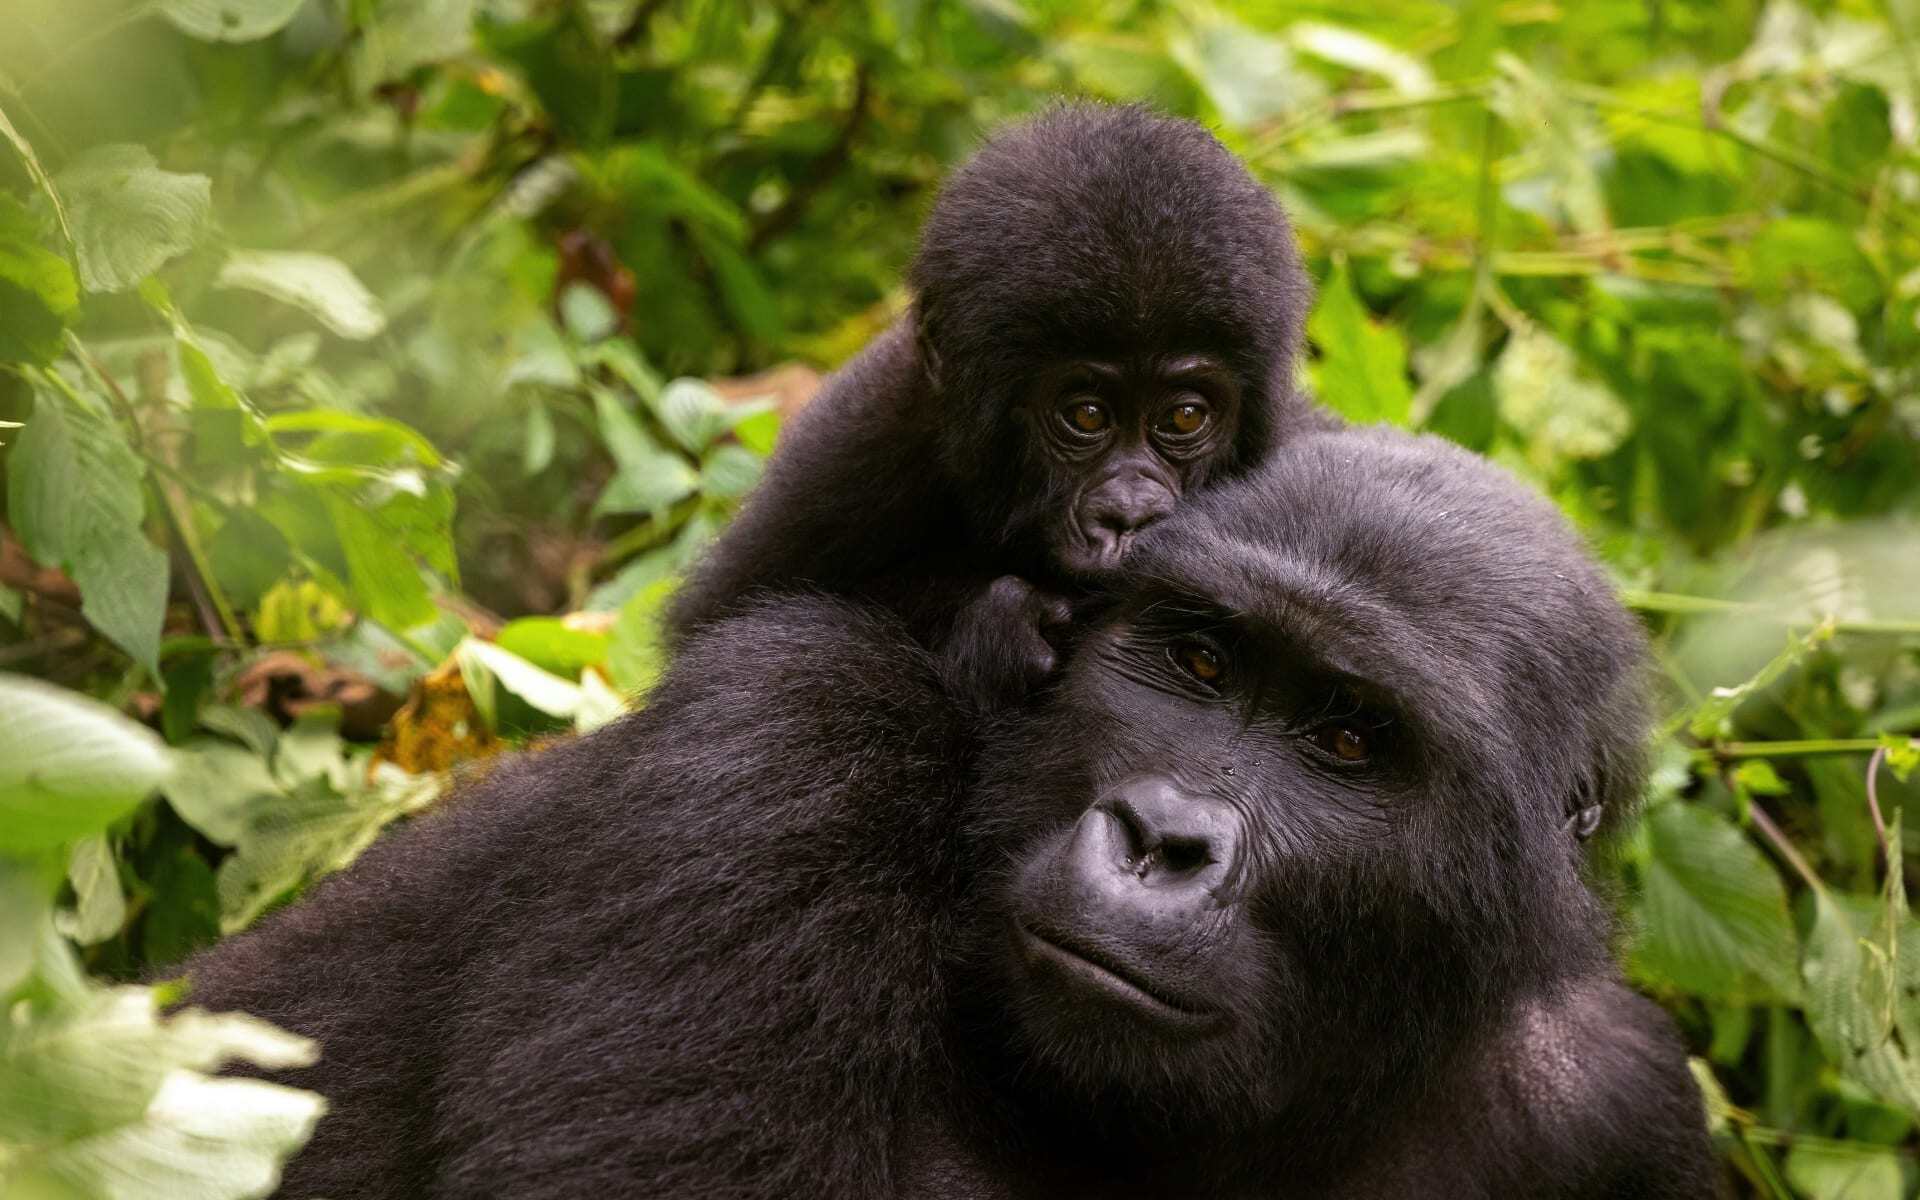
(1301, 811)
(1109, 307)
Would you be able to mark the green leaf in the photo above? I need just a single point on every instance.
(1796, 254)
(38, 294)
(692, 413)
(1363, 365)
(130, 217)
(69, 766)
(1713, 914)
(229, 20)
(730, 472)
(637, 652)
(319, 824)
(216, 786)
(320, 285)
(387, 585)
(100, 908)
(75, 498)
(1827, 1170)
(552, 644)
(1561, 412)
(545, 691)
(103, 1100)
(1853, 1026)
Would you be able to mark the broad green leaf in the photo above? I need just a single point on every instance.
(586, 312)
(1713, 913)
(1562, 412)
(229, 20)
(123, 590)
(103, 1099)
(38, 294)
(1853, 1027)
(1820, 1169)
(387, 584)
(730, 472)
(130, 217)
(75, 499)
(692, 413)
(544, 690)
(317, 826)
(1363, 365)
(217, 786)
(320, 285)
(69, 766)
(756, 425)
(1799, 254)
(100, 907)
(557, 644)
(24, 908)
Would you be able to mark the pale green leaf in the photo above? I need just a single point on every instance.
(229, 20)
(692, 413)
(730, 472)
(1827, 1170)
(216, 785)
(100, 907)
(69, 766)
(320, 285)
(545, 691)
(387, 584)
(105, 1100)
(130, 217)
(1562, 412)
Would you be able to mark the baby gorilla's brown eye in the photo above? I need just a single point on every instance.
(1202, 662)
(1087, 416)
(1184, 419)
(1344, 742)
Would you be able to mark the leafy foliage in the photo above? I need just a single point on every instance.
(367, 376)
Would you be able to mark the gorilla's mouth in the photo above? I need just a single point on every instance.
(1102, 973)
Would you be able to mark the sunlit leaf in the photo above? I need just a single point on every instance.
(1363, 365)
(38, 293)
(229, 20)
(69, 766)
(320, 285)
(130, 217)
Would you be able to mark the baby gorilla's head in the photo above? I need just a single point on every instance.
(1110, 309)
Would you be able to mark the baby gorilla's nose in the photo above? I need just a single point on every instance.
(1120, 508)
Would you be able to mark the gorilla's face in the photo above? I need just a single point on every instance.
(1124, 440)
(1293, 814)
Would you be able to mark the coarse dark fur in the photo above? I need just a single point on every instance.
(765, 939)
(936, 462)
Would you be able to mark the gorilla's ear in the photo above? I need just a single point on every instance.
(1582, 823)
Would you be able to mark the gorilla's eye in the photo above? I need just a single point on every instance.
(1344, 742)
(1201, 661)
(1087, 416)
(1184, 419)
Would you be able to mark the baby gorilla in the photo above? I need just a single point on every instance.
(1109, 309)
(1272, 894)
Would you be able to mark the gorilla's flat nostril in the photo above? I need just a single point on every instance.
(1184, 856)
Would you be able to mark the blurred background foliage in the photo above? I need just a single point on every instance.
(368, 368)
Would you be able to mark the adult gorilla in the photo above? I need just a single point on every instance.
(1274, 895)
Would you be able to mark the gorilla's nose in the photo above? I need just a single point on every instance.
(1119, 509)
(1156, 852)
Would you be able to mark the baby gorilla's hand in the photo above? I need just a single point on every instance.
(998, 648)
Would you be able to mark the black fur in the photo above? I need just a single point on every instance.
(759, 940)
(922, 473)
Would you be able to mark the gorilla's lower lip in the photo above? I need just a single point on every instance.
(1106, 977)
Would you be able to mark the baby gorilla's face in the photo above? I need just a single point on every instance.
(1123, 441)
